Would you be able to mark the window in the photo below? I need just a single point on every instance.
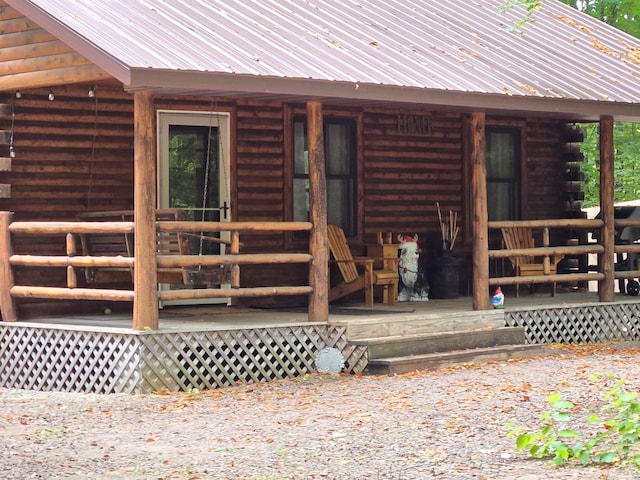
(340, 165)
(503, 173)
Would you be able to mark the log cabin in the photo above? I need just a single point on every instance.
(266, 122)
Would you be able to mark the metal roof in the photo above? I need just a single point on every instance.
(456, 52)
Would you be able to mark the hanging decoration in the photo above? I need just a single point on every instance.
(94, 100)
(12, 152)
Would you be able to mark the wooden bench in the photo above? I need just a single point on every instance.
(167, 243)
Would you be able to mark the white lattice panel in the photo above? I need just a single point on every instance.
(215, 359)
(68, 360)
(45, 358)
(579, 323)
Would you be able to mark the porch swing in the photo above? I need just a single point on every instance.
(167, 243)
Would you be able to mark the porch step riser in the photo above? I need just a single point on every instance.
(444, 342)
(399, 365)
(422, 324)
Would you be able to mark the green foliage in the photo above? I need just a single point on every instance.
(530, 6)
(612, 436)
(626, 167)
(622, 14)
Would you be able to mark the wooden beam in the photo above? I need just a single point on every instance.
(319, 267)
(32, 50)
(25, 37)
(479, 219)
(51, 78)
(48, 62)
(17, 24)
(145, 303)
(7, 303)
(606, 287)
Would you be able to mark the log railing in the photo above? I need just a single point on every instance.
(71, 261)
(548, 251)
(544, 252)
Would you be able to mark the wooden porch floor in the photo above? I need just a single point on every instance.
(442, 313)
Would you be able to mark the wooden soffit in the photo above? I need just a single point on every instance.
(30, 57)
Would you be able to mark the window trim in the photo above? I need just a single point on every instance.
(467, 231)
(290, 114)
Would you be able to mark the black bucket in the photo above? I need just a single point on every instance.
(444, 276)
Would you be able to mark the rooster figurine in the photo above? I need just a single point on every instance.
(498, 298)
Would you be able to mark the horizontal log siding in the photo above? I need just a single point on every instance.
(405, 175)
(261, 194)
(545, 184)
(68, 159)
(59, 171)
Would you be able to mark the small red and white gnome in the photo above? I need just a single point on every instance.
(498, 298)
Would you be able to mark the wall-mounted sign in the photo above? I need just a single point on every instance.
(414, 125)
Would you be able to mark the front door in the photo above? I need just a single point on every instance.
(193, 172)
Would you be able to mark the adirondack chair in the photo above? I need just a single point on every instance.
(354, 280)
(525, 265)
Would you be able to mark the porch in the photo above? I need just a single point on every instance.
(218, 346)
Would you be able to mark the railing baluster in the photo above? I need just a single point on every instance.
(72, 279)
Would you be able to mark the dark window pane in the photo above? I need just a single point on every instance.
(340, 161)
(503, 173)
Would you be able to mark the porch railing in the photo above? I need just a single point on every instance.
(69, 231)
(591, 273)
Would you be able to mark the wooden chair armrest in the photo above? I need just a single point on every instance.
(363, 260)
(209, 238)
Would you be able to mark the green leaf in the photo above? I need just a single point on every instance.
(563, 405)
(567, 433)
(553, 398)
(607, 457)
(628, 397)
(585, 457)
(561, 416)
(523, 441)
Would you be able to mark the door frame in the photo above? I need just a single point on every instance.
(219, 120)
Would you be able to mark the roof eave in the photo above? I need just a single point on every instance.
(211, 83)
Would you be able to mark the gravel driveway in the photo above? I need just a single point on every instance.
(446, 424)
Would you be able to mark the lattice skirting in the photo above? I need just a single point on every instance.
(578, 323)
(83, 360)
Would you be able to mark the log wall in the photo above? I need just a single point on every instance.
(71, 160)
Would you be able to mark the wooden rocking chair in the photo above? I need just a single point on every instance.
(516, 238)
(354, 281)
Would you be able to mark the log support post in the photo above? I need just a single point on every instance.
(7, 303)
(145, 302)
(479, 219)
(318, 247)
(606, 287)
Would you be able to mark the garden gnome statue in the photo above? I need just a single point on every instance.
(412, 286)
(498, 298)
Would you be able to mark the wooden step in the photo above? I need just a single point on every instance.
(418, 323)
(422, 343)
(431, 361)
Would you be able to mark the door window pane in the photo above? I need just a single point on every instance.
(194, 177)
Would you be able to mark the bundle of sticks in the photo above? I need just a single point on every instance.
(449, 228)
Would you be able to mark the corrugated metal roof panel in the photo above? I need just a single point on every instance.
(456, 46)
